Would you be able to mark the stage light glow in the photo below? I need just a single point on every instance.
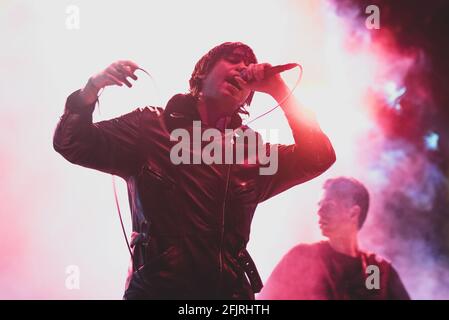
(431, 141)
(393, 93)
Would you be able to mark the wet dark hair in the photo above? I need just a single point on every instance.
(351, 191)
(208, 61)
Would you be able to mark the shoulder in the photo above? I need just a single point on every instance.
(145, 114)
(307, 249)
(376, 257)
(150, 111)
(378, 260)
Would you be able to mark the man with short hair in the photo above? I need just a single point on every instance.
(336, 269)
(191, 222)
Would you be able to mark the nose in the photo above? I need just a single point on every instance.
(240, 66)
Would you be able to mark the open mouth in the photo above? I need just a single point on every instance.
(233, 82)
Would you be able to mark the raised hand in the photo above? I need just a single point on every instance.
(115, 74)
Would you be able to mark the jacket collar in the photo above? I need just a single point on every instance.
(182, 109)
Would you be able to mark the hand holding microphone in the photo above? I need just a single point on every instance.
(266, 72)
(264, 77)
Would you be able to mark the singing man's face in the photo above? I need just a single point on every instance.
(219, 84)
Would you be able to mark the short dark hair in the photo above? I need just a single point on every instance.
(352, 191)
(208, 61)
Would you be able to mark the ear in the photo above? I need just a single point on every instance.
(354, 213)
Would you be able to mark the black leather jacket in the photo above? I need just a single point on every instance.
(191, 222)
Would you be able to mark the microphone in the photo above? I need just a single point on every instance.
(269, 71)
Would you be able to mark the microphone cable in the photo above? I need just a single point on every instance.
(114, 187)
(283, 100)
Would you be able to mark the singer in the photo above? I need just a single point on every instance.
(191, 222)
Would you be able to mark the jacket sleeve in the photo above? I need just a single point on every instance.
(110, 146)
(310, 155)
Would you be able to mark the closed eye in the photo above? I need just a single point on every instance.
(236, 58)
(326, 206)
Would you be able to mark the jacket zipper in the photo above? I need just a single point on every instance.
(223, 212)
(220, 256)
